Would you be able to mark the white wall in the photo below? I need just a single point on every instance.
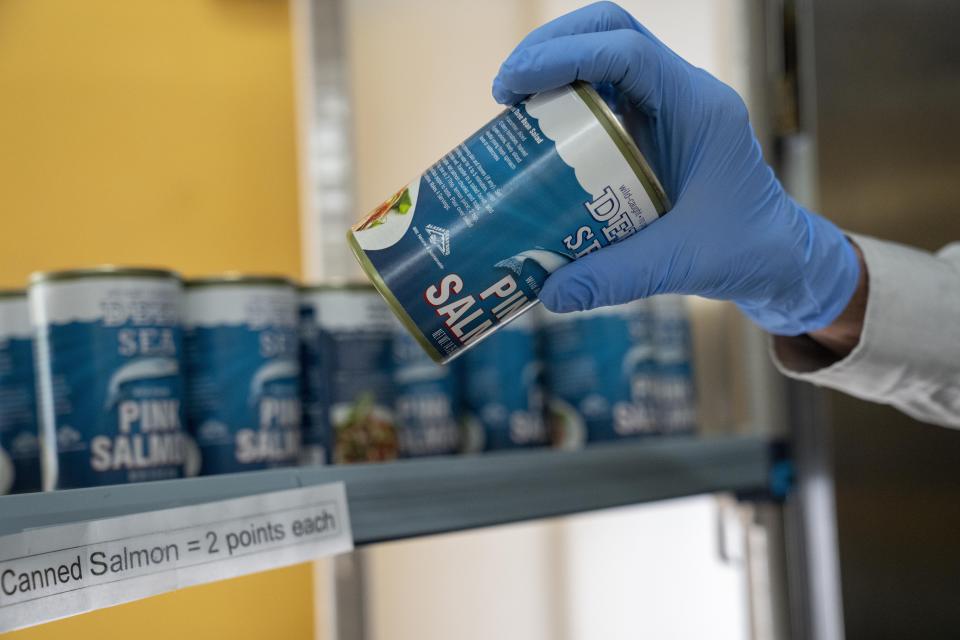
(499, 583)
(653, 571)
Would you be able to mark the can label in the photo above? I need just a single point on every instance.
(425, 401)
(351, 396)
(19, 438)
(108, 362)
(600, 373)
(243, 376)
(316, 445)
(467, 245)
(674, 389)
(502, 382)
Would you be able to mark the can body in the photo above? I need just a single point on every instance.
(425, 405)
(19, 436)
(600, 373)
(108, 354)
(351, 396)
(243, 373)
(674, 389)
(466, 246)
(502, 390)
(316, 443)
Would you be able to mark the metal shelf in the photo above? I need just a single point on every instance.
(435, 495)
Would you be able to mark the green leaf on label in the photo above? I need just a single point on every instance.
(403, 203)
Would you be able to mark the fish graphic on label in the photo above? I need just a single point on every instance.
(270, 372)
(548, 260)
(140, 369)
(636, 355)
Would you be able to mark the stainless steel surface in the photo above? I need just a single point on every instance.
(326, 162)
(887, 110)
(350, 579)
(434, 495)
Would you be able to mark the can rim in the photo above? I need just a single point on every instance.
(625, 144)
(392, 302)
(234, 278)
(6, 294)
(103, 271)
(345, 285)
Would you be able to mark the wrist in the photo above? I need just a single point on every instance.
(842, 335)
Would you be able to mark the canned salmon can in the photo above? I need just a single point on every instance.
(502, 387)
(19, 436)
(600, 374)
(466, 246)
(108, 371)
(243, 372)
(350, 394)
(674, 390)
(425, 406)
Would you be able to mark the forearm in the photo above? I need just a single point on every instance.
(898, 341)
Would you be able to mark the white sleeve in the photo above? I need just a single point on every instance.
(909, 350)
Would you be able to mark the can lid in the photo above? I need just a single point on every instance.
(103, 271)
(391, 299)
(12, 293)
(235, 278)
(626, 145)
(340, 285)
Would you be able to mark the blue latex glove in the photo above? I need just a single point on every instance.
(733, 233)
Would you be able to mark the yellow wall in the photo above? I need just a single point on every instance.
(146, 131)
(160, 132)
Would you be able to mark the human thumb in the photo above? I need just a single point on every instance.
(637, 267)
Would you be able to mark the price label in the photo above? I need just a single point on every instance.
(54, 572)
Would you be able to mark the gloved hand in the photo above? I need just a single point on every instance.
(732, 233)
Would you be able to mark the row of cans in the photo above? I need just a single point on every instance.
(113, 375)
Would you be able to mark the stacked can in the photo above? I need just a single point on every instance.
(19, 443)
(502, 387)
(349, 393)
(425, 400)
(600, 374)
(108, 348)
(243, 373)
(674, 391)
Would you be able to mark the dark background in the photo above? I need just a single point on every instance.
(888, 133)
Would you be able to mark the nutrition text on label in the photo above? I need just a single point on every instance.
(78, 567)
(460, 181)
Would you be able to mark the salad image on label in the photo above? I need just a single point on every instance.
(364, 432)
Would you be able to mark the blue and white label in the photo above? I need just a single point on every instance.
(109, 379)
(674, 389)
(467, 246)
(243, 376)
(350, 394)
(19, 435)
(600, 373)
(425, 400)
(502, 386)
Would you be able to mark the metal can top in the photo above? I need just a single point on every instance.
(12, 293)
(336, 286)
(625, 144)
(233, 278)
(103, 271)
